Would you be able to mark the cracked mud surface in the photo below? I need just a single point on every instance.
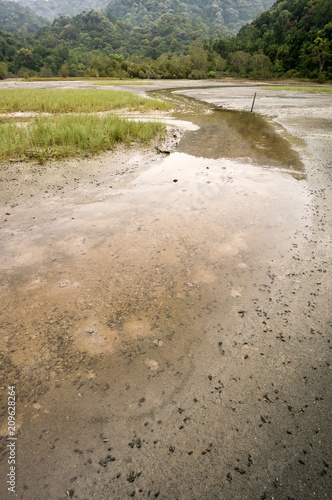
(166, 320)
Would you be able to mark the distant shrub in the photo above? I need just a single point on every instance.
(45, 72)
(3, 70)
(64, 72)
(22, 72)
(197, 75)
(322, 77)
(260, 66)
(292, 73)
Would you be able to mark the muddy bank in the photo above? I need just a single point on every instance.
(169, 336)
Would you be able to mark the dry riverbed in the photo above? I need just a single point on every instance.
(165, 318)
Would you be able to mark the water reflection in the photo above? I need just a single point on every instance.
(234, 135)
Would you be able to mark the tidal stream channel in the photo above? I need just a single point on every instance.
(166, 338)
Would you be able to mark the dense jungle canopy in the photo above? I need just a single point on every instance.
(189, 39)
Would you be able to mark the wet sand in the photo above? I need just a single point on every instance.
(166, 319)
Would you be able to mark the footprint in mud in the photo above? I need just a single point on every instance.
(94, 337)
(152, 364)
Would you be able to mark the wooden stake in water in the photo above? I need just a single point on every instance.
(253, 102)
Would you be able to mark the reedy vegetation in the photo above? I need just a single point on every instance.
(44, 138)
(75, 101)
(71, 136)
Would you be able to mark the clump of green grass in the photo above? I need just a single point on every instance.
(300, 88)
(75, 101)
(71, 136)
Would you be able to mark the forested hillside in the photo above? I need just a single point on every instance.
(16, 18)
(292, 39)
(50, 9)
(93, 31)
(230, 13)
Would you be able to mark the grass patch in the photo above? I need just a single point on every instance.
(56, 79)
(60, 79)
(15, 119)
(121, 82)
(132, 81)
(75, 101)
(300, 88)
(47, 138)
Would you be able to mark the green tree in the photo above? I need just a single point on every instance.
(198, 56)
(320, 50)
(3, 70)
(45, 72)
(260, 66)
(238, 62)
(217, 63)
(64, 72)
(24, 58)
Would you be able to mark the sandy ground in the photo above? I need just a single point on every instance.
(166, 319)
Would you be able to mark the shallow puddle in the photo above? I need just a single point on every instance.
(234, 135)
(138, 264)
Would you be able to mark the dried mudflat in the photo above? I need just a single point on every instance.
(166, 319)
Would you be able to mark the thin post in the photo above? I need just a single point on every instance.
(253, 102)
